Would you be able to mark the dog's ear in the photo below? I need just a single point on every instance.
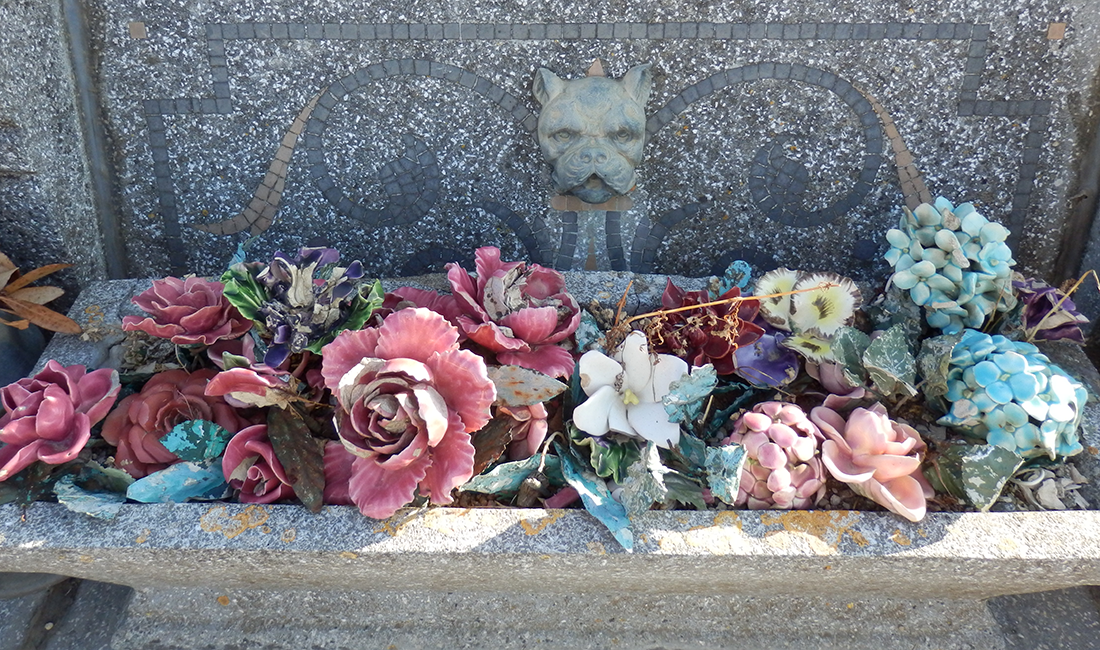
(638, 82)
(547, 86)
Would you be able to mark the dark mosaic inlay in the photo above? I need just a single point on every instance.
(412, 182)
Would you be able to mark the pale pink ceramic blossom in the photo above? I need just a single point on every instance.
(782, 468)
(49, 416)
(519, 312)
(409, 399)
(842, 393)
(877, 457)
(187, 312)
(528, 430)
(250, 456)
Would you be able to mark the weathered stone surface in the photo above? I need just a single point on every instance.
(231, 618)
(46, 208)
(826, 553)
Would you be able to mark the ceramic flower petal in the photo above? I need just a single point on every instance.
(650, 421)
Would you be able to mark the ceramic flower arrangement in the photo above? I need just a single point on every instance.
(300, 381)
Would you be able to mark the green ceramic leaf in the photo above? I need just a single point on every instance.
(644, 484)
(609, 456)
(180, 482)
(243, 290)
(724, 471)
(362, 306)
(975, 473)
(505, 479)
(891, 364)
(589, 336)
(849, 346)
(688, 395)
(196, 440)
(933, 363)
(519, 386)
(101, 505)
(597, 498)
(301, 455)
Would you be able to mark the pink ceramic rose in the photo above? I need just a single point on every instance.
(409, 399)
(187, 312)
(877, 457)
(142, 419)
(49, 416)
(519, 312)
(250, 465)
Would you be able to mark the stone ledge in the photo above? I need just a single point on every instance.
(821, 553)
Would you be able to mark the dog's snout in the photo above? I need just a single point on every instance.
(593, 156)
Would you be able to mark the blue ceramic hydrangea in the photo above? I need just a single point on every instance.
(953, 262)
(1008, 393)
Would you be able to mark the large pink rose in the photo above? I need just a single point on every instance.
(409, 399)
(521, 313)
(142, 419)
(187, 312)
(250, 454)
(49, 416)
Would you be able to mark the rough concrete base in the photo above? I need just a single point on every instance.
(274, 620)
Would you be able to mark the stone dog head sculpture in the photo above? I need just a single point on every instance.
(592, 130)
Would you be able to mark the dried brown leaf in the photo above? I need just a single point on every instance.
(301, 454)
(17, 324)
(41, 316)
(36, 274)
(37, 295)
(490, 442)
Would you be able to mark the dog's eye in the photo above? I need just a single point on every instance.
(563, 136)
(623, 135)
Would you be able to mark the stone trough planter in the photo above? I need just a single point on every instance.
(812, 553)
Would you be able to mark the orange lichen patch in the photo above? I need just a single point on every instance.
(828, 526)
(727, 518)
(899, 539)
(1093, 450)
(223, 601)
(266, 530)
(1008, 546)
(541, 524)
(289, 535)
(143, 537)
(348, 555)
(86, 559)
(217, 519)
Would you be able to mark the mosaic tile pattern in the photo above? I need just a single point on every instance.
(412, 182)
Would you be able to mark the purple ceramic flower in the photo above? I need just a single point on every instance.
(1044, 315)
(49, 416)
(517, 311)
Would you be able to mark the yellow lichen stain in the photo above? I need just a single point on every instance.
(394, 524)
(1093, 450)
(348, 555)
(223, 601)
(86, 559)
(727, 518)
(95, 314)
(920, 531)
(143, 537)
(899, 539)
(851, 605)
(682, 519)
(217, 519)
(825, 529)
(266, 530)
(540, 525)
(288, 535)
(597, 548)
(544, 556)
(1008, 546)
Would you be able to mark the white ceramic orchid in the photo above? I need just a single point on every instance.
(625, 392)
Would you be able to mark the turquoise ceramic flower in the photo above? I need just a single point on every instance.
(953, 262)
(1008, 393)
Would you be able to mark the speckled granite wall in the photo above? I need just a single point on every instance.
(46, 209)
(403, 134)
